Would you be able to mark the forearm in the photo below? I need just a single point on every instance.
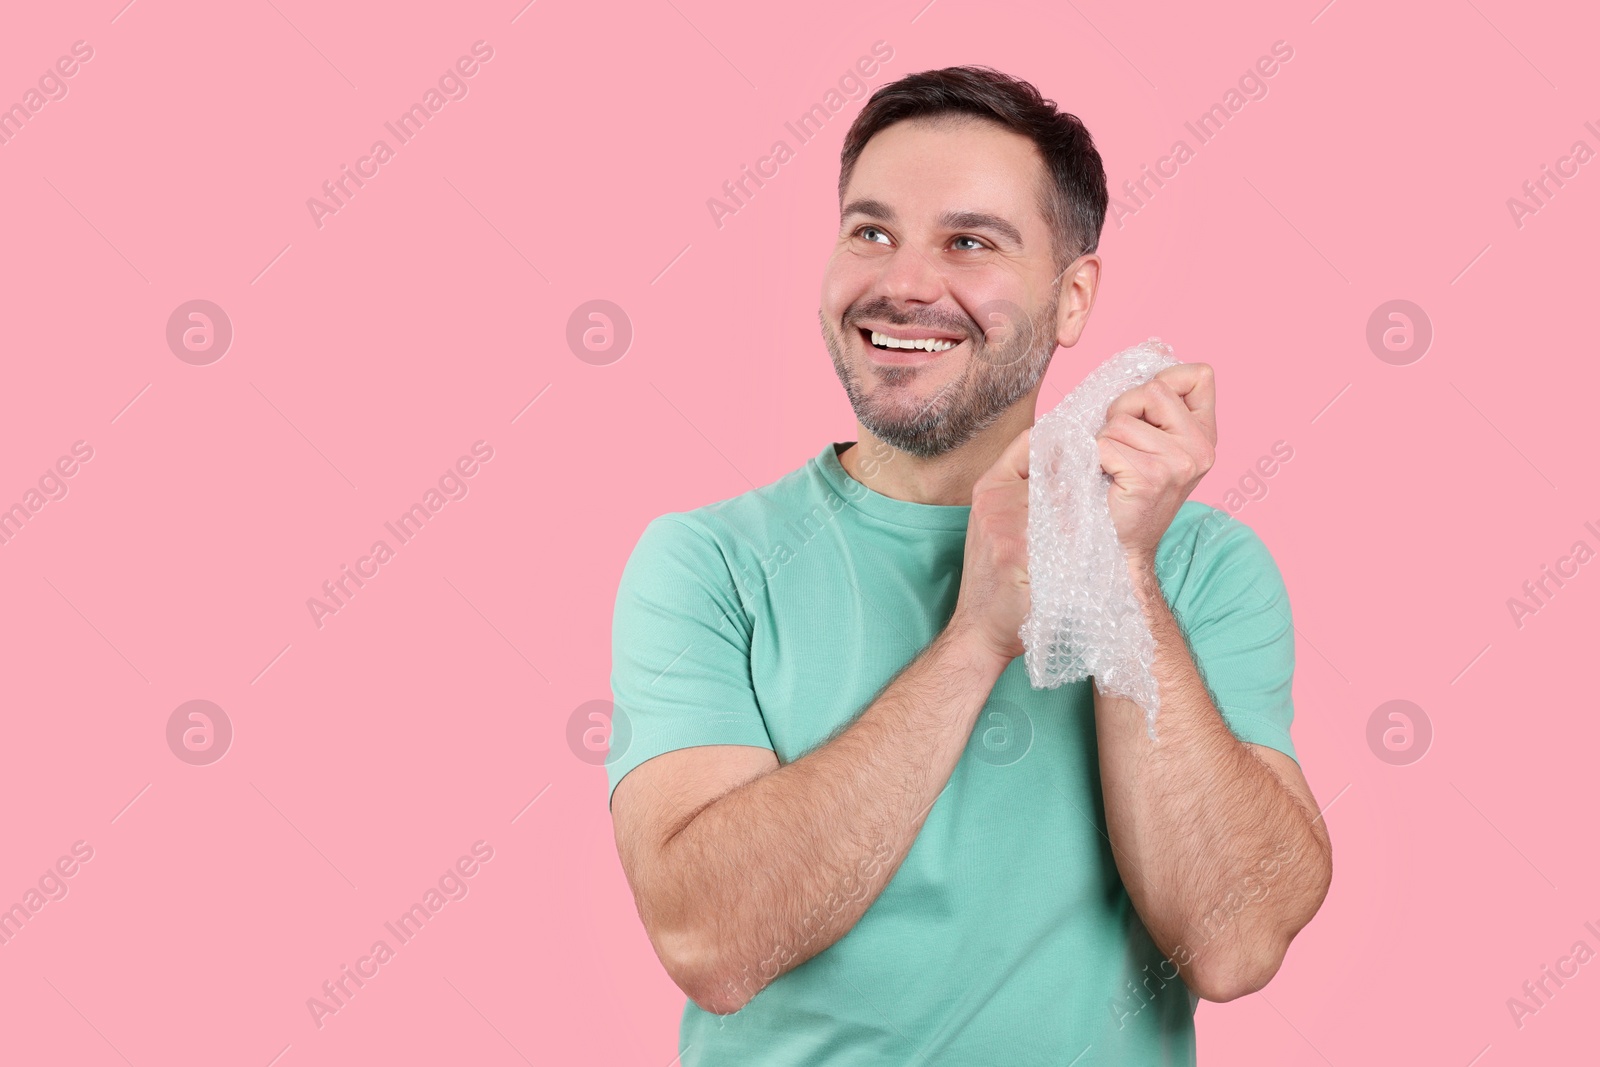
(1222, 863)
(775, 871)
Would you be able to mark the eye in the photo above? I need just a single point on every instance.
(969, 237)
(870, 229)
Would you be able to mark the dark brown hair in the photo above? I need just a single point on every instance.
(1074, 199)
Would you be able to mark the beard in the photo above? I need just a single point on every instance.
(1002, 367)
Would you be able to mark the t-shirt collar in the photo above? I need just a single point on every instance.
(887, 508)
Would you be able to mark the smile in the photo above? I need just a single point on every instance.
(885, 342)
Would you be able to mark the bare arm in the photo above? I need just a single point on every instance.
(1219, 842)
(740, 887)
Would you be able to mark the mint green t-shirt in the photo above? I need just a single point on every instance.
(1006, 936)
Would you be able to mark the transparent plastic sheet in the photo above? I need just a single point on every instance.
(1085, 619)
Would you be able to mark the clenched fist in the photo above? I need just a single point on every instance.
(1159, 440)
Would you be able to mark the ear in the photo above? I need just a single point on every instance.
(1078, 285)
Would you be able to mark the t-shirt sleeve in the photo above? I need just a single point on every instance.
(680, 652)
(1234, 610)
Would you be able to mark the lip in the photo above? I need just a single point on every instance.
(904, 356)
(908, 333)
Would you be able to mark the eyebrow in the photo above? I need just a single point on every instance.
(955, 220)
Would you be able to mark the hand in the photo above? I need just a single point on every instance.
(1159, 440)
(994, 597)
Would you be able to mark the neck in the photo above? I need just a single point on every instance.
(944, 479)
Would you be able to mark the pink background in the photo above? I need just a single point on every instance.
(431, 311)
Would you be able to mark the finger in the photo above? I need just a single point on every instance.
(1136, 433)
(1157, 403)
(1194, 382)
(1196, 386)
(1159, 458)
(1154, 454)
(1118, 459)
(1014, 460)
(1012, 465)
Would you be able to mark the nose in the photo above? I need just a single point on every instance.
(909, 277)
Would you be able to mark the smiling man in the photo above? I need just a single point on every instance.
(855, 834)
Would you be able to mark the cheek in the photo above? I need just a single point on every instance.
(845, 281)
(1004, 302)
(975, 293)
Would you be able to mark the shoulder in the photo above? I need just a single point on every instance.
(1207, 551)
(673, 547)
(723, 527)
(723, 541)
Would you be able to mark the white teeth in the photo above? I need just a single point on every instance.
(926, 344)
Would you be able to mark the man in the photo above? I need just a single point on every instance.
(854, 832)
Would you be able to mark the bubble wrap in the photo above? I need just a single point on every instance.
(1085, 617)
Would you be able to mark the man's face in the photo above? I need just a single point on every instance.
(942, 241)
